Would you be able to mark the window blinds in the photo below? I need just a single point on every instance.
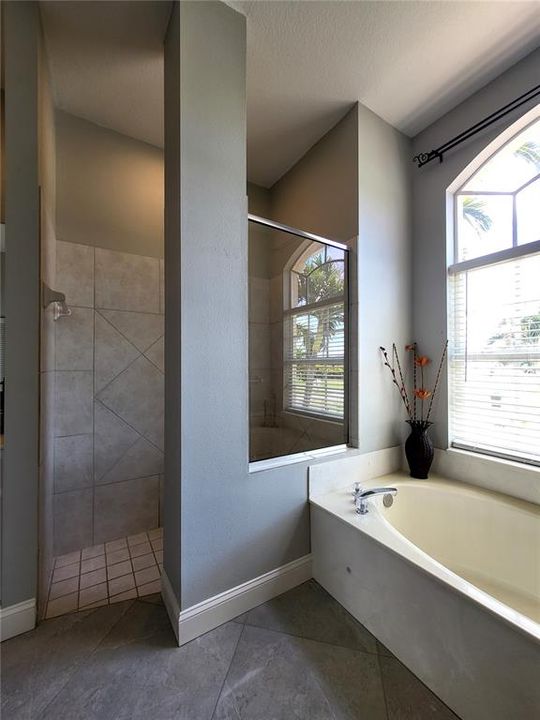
(314, 344)
(494, 367)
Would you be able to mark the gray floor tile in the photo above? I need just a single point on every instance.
(282, 677)
(240, 618)
(150, 678)
(154, 599)
(142, 620)
(37, 665)
(407, 698)
(309, 611)
(383, 650)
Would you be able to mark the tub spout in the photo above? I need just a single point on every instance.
(361, 497)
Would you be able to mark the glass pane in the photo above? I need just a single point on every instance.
(495, 363)
(528, 214)
(325, 281)
(514, 165)
(484, 224)
(296, 352)
(318, 334)
(298, 289)
(333, 253)
(319, 387)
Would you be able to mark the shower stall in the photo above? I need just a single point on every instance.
(298, 340)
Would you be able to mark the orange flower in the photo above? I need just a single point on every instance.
(422, 394)
(422, 360)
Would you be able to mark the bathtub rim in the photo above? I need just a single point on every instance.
(391, 539)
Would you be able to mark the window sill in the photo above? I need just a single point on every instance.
(505, 476)
(284, 460)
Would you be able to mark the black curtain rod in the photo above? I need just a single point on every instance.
(424, 158)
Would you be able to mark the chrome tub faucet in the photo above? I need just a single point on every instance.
(361, 497)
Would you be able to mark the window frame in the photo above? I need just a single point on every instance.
(289, 311)
(513, 252)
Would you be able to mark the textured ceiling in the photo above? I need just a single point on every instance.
(106, 61)
(409, 62)
(308, 62)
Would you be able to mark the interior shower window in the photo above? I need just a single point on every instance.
(495, 305)
(314, 334)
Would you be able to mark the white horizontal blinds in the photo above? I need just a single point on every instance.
(495, 358)
(314, 334)
(314, 360)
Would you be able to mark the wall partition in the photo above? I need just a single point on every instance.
(297, 340)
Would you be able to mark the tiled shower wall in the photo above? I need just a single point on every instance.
(108, 427)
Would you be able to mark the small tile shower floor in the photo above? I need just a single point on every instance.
(105, 574)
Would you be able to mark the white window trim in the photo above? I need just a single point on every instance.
(289, 311)
(510, 253)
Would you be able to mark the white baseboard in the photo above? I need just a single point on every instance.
(17, 619)
(209, 614)
(171, 603)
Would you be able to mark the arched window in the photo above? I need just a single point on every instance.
(314, 333)
(495, 304)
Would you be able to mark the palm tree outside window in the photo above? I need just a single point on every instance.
(314, 334)
(494, 314)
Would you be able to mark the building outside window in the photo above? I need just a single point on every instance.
(494, 304)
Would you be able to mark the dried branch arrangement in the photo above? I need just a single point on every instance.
(419, 391)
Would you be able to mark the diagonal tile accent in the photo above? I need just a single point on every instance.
(36, 666)
(141, 329)
(156, 353)
(149, 677)
(137, 395)
(141, 459)
(310, 612)
(112, 438)
(299, 678)
(113, 353)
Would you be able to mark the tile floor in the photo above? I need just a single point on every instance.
(105, 574)
(298, 656)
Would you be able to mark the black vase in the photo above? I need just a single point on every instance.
(419, 449)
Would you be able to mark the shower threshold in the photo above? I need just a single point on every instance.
(108, 573)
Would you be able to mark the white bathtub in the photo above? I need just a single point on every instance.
(449, 579)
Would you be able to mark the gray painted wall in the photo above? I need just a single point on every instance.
(383, 257)
(320, 193)
(173, 447)
(20, 460)
(429, 186)
(236, 525)
(109, 188)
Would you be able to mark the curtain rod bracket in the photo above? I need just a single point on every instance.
(426, 157)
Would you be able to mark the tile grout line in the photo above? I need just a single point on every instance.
(120, 332)
(395, 659)
(105, 554)
(83, 662)
(132, 566)
(220, 693)
(383, 686)
(128, 424)
(108, 484)
(94, 408)
(321, 642)
(80, 575)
